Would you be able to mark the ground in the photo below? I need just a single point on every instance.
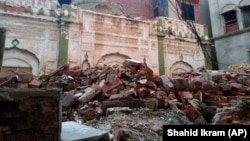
(142, 124)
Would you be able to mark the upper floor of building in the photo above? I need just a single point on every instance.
(229, 17)
(143, 9)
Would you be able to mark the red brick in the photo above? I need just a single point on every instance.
(191, 112)
(25, 77)
(237, 87)
(151, 103)
(22, 85)
(166, 83)
(195, 84)
(109, 85)
(88, 114)
(35, 83)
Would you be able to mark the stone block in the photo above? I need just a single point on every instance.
(89, 94)
(112, 110)
(151, 103)
(88, 114)
(68, 101)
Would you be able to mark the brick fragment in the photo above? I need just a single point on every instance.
(180, 83)
(166, 83)
(109, 85)
(35, 83)
(24, 77)
(151, 103)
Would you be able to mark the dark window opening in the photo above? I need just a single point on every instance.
(187, 11)
(230, 21)
(246, 16)
(156, 12)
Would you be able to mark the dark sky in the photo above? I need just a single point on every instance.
(64, 2)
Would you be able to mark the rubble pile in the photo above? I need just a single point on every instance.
(101, 91)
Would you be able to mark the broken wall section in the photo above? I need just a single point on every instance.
(30, 114)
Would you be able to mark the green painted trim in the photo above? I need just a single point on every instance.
(63, 49)
(207, 56)
(161, 59)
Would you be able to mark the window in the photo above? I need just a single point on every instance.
(187, 11)
(246, 16)
(156, 12)
(230, 21)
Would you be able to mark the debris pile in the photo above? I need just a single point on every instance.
(101, 91)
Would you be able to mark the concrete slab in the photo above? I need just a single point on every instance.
(73, 131)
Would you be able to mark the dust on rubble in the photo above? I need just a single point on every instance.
(142, 124)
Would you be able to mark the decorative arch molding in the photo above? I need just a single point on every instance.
(18, 57)
(228, 7)
(243, 3)
(112, 59)
(180, 66)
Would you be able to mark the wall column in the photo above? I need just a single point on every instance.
(161, 58)
(2, 45)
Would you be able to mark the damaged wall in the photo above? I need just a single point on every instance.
(90, 39)
(38, 38)
(23, 112)
(104, 36)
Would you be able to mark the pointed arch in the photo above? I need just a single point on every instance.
(244, 3)
(18, 57)
(112, 59)
(179, 67)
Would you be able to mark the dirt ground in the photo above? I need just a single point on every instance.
(142, 124)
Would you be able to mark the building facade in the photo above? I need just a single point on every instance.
(230, 22)
(40, 40)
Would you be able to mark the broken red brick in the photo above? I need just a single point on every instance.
(22, 85)
(191, 112)
(25, 77)
(109, 85)
(237, 87)
(167, 84)
(195, 83)
(35, 83)
(88, 114)
(181, 83)
(117, 96)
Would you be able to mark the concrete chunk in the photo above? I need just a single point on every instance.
(166, 83)
(68, 101)
(90, 93)
(73, 131)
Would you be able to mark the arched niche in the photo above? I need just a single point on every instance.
(244, 3)
(179, 67)
(17, 57)
(112, 59)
